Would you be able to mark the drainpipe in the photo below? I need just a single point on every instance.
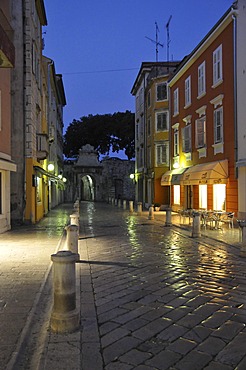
(235, 91)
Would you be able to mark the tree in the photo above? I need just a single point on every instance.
(104, 132)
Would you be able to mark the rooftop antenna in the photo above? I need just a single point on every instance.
(168, 37)
(156, 42)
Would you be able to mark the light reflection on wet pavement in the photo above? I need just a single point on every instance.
(163, 300)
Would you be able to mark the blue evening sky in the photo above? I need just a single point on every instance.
(98, 45)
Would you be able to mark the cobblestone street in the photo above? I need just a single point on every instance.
(151, 297)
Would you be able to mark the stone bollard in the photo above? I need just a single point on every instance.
(124, 204)
(115, 202)
(109, 200)
(74, 220)
(72, 240)
(196, 226)
(139, 208)
(65, 315)
(112, 201)
(130, 206)
(151, 213)
(168, 217)
(242, 225)
(119, 203)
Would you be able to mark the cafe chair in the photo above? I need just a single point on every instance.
(228, 218)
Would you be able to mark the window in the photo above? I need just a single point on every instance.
(176, 142)
(218, 125)
(162, 153)
(141, 98)
(186, 139)
(201, 79)
(176, 101)
(219, 197)
(200, 132)
(141, 157)
(162, 121)
(39, 189)
(137, 103)
(203, 196)
(161, 91)
(217, 65)
(137, 134)
(187, 91)
(176, 194)
(149, 99)
(149, 156)
(149, 126)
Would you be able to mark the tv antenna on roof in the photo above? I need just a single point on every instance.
(156, 42)
(168, 36)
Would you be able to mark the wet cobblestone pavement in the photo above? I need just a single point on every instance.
(151, 297)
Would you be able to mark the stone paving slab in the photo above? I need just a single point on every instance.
(151, 297)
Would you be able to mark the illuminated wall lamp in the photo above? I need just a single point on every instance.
(51, 167)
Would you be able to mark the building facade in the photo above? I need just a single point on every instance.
(240, 79)
(203, 159)
(7, 63)
(152, 130)
(37, 101)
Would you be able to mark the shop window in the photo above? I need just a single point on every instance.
(219, 197)
(176, 194)
(39, 189)
(203, 198)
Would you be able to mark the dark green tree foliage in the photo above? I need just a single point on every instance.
(103, 132)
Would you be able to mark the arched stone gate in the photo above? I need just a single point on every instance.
(89, 179)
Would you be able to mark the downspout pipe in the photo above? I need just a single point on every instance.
(235, 92)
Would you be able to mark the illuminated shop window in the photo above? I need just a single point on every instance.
(203, 201)
(219, 197)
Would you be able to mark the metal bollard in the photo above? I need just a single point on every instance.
(124, 204)
(196, 226)
(72, 240)
(151, 213)
(168, 217)
(65, 315)
(139, 208)
(131, 206)
(119, 203)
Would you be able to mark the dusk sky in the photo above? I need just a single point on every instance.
(98, 45)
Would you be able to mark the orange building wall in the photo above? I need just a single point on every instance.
(226, 88)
